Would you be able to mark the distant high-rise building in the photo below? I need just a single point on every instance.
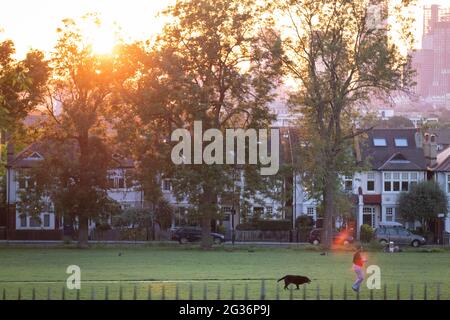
(432, 61)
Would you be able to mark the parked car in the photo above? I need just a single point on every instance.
(338, 237)
(191, 234)
(397, 233)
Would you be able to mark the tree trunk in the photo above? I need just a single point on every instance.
(83, 232)
(328, 198)
(206, 233)
(83, 220)
(206, 208)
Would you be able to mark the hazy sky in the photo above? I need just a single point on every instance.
(32, 23)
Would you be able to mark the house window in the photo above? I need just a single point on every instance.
(310, 211)
(379, 142)
(399, 181)
(371, 181)
(401, 142)
(22, 183)
(111, 183)
(120, 182)
(390, 214)
(269, 211)
(35, 222)
(116, 182)
(226, 213)
(46, 220)
(348, 183)
(167, 185)
(23, 221)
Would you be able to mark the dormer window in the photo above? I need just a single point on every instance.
(401, 142)
(34, 156)
(379, 142)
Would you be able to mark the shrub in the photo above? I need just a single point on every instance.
(274, 225)
(304, 221)
(221, 229)
(366, 233)
(246, 226)
(266, 225)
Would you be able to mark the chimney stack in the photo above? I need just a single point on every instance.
(430, 149)
(419, 139)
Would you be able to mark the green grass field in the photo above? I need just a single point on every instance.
(164, 269)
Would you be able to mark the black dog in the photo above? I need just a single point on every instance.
(297, 280)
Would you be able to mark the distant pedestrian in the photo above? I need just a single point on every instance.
(358, 265)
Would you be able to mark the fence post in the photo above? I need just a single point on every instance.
(232, 292)
(291, 294)
(120, 293)
(425, 293)
(411, 295)
(345, 291)
(205, 292)
(398, 291)
(371, 294)
(357, 295)
(438, 291)
(19, 294)
(331, 292)
(78, 294)
(135, 292)
(384, 292)
(163, 292)
(277, 293)
(92, 293)
(318, 293)
(218, 292)
(63, 293)
(106, 293)
(4, 294)
(33, 294)
(304, 292)
(149, 292)
(177, 292)
(49, 294)
(246, 292)
(191, 292)
(263, 290)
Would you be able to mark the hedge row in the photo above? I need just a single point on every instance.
(266, 225)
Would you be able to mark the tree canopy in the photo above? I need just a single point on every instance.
(424, 202)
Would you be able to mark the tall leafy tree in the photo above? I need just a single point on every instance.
(424, 202)
(212, 65)
(21, 89)
(80, 95)
(21, 84)
(340, 55)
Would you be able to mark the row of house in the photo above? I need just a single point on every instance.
(398, 159)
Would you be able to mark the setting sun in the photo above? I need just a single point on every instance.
(103, 36)
(131, 20)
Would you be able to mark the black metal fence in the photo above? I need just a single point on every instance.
(215, 292)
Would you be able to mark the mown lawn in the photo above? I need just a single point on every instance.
(164, 269)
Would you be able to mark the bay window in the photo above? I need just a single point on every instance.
(399, 181)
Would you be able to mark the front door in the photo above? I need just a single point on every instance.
(369, 216)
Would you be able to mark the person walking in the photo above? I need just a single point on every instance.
(358, 265)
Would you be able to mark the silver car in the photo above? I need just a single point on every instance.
(397, 233)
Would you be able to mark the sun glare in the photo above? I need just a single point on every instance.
(102, 38)
(134, 20)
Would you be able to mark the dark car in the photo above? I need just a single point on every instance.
(191, 234)
(338, 237)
